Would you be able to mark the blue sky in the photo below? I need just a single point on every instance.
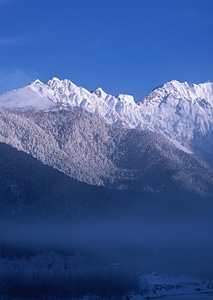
(128, 46)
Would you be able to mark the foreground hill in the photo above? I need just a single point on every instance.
(86, 148)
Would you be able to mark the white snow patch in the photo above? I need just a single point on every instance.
(182, 112)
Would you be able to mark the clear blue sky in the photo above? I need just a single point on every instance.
(123, 46)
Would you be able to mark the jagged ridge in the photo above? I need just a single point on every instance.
(181, 112)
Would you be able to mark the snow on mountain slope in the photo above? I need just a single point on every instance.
(119, 111)
(86, 148)
(58, 94)
(183, 113)
(35, 95)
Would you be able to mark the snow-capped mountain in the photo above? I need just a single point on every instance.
(86, 171)
(70, 129)
(181, 112)
(59, 94)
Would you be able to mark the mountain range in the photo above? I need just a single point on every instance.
(98, 191)
(160, 146)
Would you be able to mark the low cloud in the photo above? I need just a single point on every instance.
(181, 246)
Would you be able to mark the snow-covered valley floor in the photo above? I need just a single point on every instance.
(180, 287)
(156, 286)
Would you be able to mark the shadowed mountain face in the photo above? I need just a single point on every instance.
(64, 152)
(36, 192)
(42, 208)
(29, 188)
(85, 148)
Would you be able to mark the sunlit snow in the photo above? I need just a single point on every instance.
(180, 111)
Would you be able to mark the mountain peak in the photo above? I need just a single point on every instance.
(181, 112)
(172, 86)
(99, 92)
(37, 81)
(55, 79)
(173, 82)
(181, 90)
(126, 98)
